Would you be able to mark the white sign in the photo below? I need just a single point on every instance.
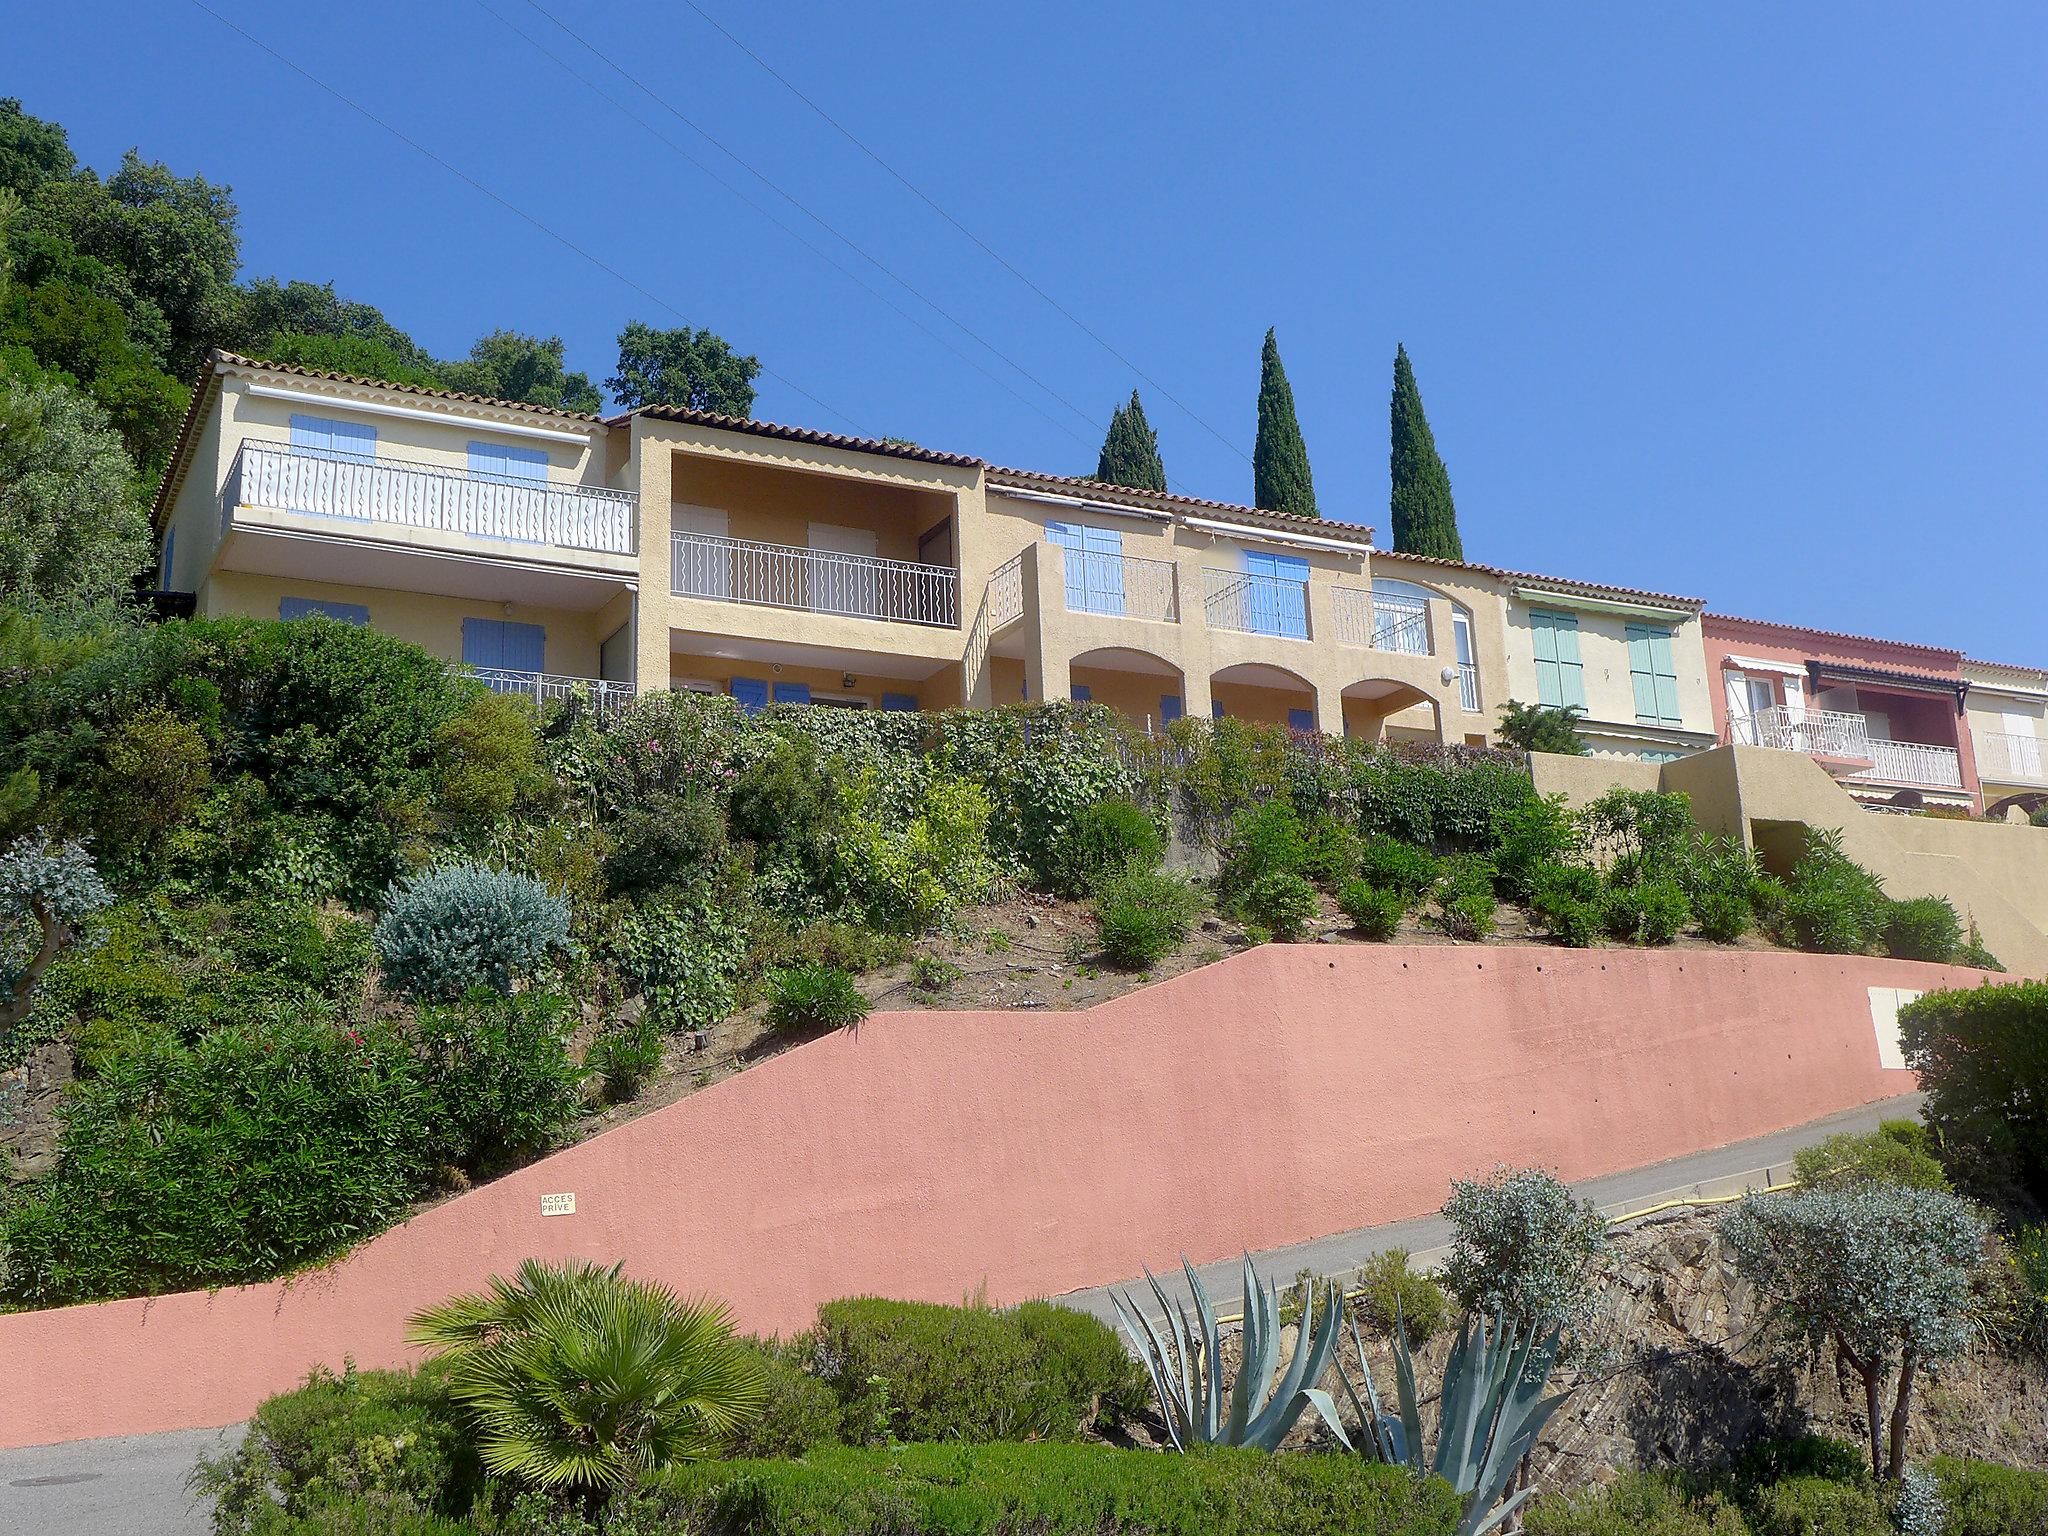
(558, 1205)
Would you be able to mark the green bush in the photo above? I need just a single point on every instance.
(814, 997)
(1388, 864)
(450, 930)
(490, 761)
(2028, 1249)
(1979, 1055)
(1104, 840)
(1530, 837)
(685, 955)
(1331, 853)
(1144, 915)
(1646, 912)
(1776, 1458)
(500, 1071)
(800, 1412)
(1445, 798)
(1724, 916)
(906, 875)
(1266, 839)
(1923, 928)
(1722, 879)
(999, 1490)
(1833, 905)
(157, 766)
(1899, 1152)
(1388, 1289)
(385, 1443)
(1637, 834)
(665, 842)
(1567, 899)
(1282, 904)
(909, 1370)
(1636, 1504)
(1464, 904)
(852, 948)
(1818, 1506)
(1523, 1245)
(624, 1057)
(787, 803)
(1375, 913)
(255, 1148)
(1985, 1499)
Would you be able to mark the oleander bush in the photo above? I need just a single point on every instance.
(1569, 900)
(1833, 904)
(814, 997)
(623, 1057)
(1646, 911)
(501, 1070)
(1923, 928)
(1374, 912)
(1463, 904)
(1143, 915)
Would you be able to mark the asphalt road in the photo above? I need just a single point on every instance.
(135, 1486)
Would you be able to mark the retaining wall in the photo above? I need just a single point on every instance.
(1289, 1092)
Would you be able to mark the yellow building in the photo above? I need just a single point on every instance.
(666, 547)
(2008, 719)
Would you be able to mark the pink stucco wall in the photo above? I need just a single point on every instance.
(1287, 1093)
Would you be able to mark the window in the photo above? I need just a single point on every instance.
(313, 607)
(163, 570)
(1655, 675)
(498, 645)
(751, 692)
(1303, 720)
(1400, 616)
(497, 463)
(1276, 599)
(1560, 680)
(1170, 708)
(324, 437)
(792, 693)
(1080, 693)
(1095, 567)
(904, 702)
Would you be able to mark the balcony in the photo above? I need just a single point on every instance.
(1383, 623)
(1842, 742)
(539, 688)
(2011, 759)
(1124, 586)
(1255, 604)
(399, 494)
(785, 576)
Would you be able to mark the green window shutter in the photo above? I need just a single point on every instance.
(1655, 674)
(1560, 680)
(1664, 668)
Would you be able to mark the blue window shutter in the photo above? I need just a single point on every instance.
(1642, 674)
(163, 575)
(483, 642)
(1080, 693)
(313, 607)
(752, 692)
(1215, 710)
(1301, 720)
(904, 702)
(526, 648)
(792, 693)
(508, 463)
(315, 432)
(1664, 669)
(1170, 708)
(324, 434)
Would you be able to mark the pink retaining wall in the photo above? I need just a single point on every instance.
(1287, 1093)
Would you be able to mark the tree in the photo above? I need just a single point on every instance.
(1425, 521)
(1542, 728)
(268, 308)
(1982, 1056)
(48, 892)
(694, 369)
(508, 365)
(366, 357)
(31, 150)
(71, 528)
(1280, 476)
(1882, 1272)
(1523, 1247)
(1130, 453)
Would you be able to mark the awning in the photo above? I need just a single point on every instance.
(1955, 689)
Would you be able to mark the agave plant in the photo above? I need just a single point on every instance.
(579, 1378)
(1492, 1410)
(1186, 1362)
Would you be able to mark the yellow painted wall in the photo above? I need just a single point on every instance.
(1603, 655)
(932, 693)
(777, 506)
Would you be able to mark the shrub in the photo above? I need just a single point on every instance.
(1973, 953)
(1777, 1458)
(391, 1439)
(685, 955)
(1389, 1289)
(814, 997)
(1833, 904)
(1266, 839)
(849, 946)
(932, 974)
(1282, 904)
(787, 803)
(1445, 798)
(1104, 839)
(1723, 916)
(1529, 837)
(1646, 912)
(1143, 915)
(1721, 878)
(1523, 1245)
(1637, 834)
(500, 1072)
(48, 893)
(257, 1147)
(490, 760)
(985, 1490)
(2028, 1250)
(1331, 852)
(907, 875)
(1389, 864)
(799, 1412)
(910, 1370)
(1923, 928)
(1636, 1504)
(624, 1057)
(157, 767)
(1567, 900)
(1899, 1152)
(1542, 728)
(1375, 913)
(1985, 1499)
(1818, 1506)
(662, 842)
(1464, 903)
(449, 930)
(1978, 1053)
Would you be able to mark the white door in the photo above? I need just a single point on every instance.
(704, 556)
(844, 585)
(1748, 698)
(2022, 746)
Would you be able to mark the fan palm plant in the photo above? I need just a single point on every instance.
(581, 1379)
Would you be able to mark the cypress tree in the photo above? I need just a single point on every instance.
(1280, 477)
(1130, 453)
(1425, 520)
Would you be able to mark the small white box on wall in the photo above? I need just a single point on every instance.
(1885, 1003)
(558, 1205)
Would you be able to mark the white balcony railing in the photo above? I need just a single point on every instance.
(1468, 686)
(1006, 593)
(367, 489)
(1126, 585)
(786, 576)
(606, 698)
(2012, 759)
(1384, 622)
(1839, 734)
(1255, 604)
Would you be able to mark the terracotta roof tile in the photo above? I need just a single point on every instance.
(1081, 485)
(235, 360)
(1567, 583)
(747, 424)
(1833, 634)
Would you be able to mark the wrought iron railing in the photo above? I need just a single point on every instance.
(1913, 762)
(1382, 622)
(823, 581)
(604, 697)
(1468, 686)
(371, 489)
(1129, 585)
(1841, 734)
(1255, 604)
(2012, 759)
(1006, 593)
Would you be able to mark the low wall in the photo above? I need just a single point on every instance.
(1289, 1092)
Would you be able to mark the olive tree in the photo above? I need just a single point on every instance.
(48, 892)
(1523, 1246)
(1881, 1271)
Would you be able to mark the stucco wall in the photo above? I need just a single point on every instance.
(1286, 1093)
(1604, 660)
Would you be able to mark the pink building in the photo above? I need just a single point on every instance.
(1885, 718)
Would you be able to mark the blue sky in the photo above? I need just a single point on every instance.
(1745, 302)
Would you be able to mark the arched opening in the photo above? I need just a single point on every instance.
(2017, 807)
(1142, 687)
(1382, 709)
(1264, 695)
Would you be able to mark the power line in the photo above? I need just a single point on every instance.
(797, 235)
(876, 262)
(511, 207)
(995, 255)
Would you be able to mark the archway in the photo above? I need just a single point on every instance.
(1142, 687)
(1384, 709)
(1264, 695)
